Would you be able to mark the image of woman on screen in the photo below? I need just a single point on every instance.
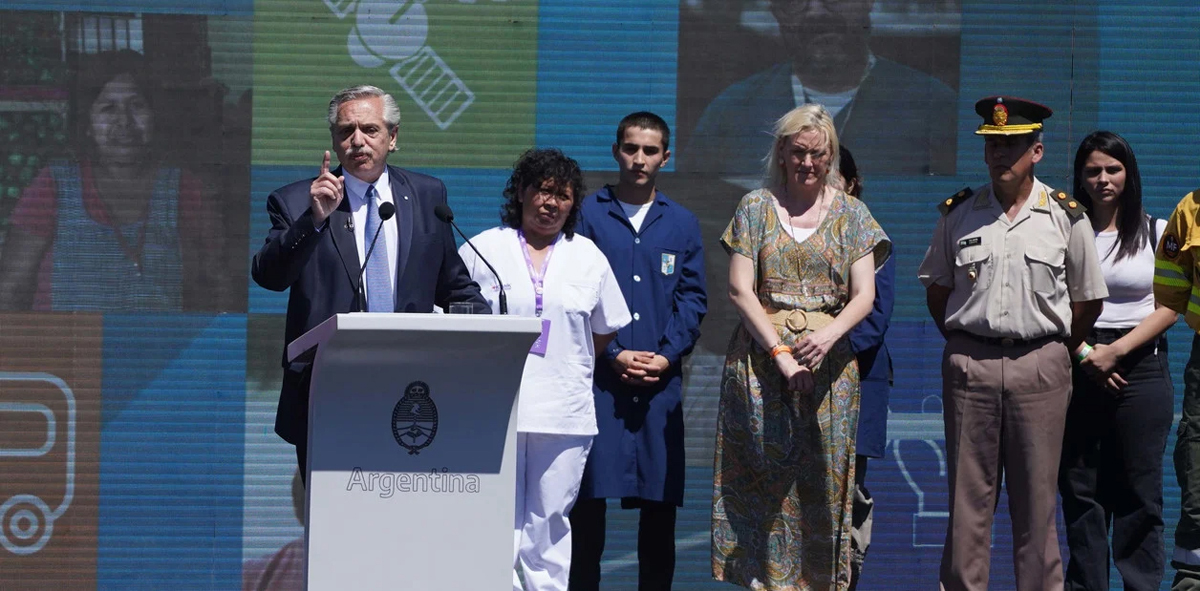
(552, 273)
(802, 267)
(114, 228)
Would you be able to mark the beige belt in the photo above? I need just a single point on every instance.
(798, 321)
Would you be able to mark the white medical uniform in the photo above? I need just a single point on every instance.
(556, 415)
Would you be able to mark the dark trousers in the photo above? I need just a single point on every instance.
(1111, 471)
(861, 522)
(656, 543)
(1186, 558)
(302, 462)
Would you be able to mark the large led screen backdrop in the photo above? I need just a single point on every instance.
(139, 366)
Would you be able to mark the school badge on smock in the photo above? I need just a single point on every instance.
(415, 418)
(668, 263)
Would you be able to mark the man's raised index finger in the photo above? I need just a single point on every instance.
(325, 163)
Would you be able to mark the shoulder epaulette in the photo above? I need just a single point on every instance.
(1073, 208)
(950, 203)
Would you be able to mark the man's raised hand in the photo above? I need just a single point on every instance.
(326, 193)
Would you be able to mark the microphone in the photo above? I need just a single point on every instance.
(444, 213)
(386, 211)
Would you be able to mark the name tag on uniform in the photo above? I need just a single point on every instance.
(539, 346)
(668, 264)
(965, 242)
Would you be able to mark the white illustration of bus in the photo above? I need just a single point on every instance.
(26, 520)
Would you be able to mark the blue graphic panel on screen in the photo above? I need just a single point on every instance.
(1056, 67)
(171, 452)
(906, 208)
(589, 77)
(213, 7)
(475, 195)
(263, 180)
(1142, 95)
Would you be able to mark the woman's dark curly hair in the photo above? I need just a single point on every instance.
(533, 169)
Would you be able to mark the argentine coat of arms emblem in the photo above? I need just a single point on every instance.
(415, 418)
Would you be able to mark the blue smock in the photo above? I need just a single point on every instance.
(875, 364)
(639, 452)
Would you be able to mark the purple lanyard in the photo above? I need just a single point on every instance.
(538, 279)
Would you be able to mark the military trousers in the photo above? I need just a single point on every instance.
(1004, 407)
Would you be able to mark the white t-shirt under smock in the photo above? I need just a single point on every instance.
(581, 297)
(636, 213)
(1130, 281)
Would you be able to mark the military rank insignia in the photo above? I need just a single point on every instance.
(1000, 115)
(955, 200)
(415, 419)
(668, 264)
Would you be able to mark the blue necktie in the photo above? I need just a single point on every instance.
(379, 278)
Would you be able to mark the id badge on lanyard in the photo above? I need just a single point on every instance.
(539, 288)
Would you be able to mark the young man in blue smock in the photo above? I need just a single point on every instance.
(654, 247)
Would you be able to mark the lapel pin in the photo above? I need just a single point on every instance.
(350, 224)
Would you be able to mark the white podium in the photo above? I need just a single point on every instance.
(412, 450)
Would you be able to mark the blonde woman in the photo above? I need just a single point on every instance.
(801, 274)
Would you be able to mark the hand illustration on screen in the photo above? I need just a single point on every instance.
(929, 524)
(395, 31)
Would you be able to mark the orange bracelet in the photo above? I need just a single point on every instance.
(780, 348)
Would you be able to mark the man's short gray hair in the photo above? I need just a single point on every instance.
(391, 113)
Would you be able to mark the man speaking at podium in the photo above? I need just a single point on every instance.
(322, 230)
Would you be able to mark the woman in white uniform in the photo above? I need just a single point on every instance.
(550, 272)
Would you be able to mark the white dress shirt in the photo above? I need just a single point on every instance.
(356, 192)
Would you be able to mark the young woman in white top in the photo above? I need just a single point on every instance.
(549, 271)
(1122, 404)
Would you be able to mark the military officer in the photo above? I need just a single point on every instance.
(1013, 283)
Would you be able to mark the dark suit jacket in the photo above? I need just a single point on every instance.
(322, 270)
(901, 122)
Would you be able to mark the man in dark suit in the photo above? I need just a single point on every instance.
(323, 228)
(899, 120)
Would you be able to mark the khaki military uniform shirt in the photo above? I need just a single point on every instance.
(1013, 278)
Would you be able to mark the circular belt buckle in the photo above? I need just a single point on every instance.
(1006, 342)
(796, 321)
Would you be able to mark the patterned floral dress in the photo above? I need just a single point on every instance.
(784, 466)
